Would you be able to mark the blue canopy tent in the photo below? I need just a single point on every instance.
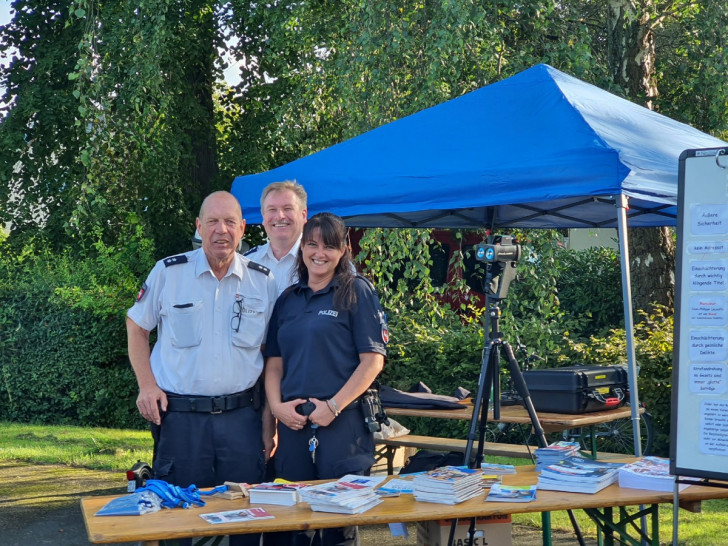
(540, 149)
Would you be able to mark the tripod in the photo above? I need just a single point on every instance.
(490, 381)
(502, 256)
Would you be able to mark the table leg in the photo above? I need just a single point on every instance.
(546, 528)
(606, 525)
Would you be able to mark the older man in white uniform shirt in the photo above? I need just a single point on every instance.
(211, 308)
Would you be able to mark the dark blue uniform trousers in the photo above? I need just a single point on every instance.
(344, 447)
(206, 450)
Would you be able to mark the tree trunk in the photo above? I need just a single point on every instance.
(652, 252)
(632, 64)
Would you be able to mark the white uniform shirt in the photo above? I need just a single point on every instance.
(284, 270)
(197, 350)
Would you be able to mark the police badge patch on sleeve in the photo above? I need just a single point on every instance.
(385, 328)
(142, 291)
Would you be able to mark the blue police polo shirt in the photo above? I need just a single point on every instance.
(319, 344)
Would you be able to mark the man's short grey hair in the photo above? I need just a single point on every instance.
(290, 185)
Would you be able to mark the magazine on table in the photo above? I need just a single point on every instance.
(555, 453)
(279, 493)
(574, 487)
(501, 469)
(232, 516)
(333, 491)
(487, 480)
(448, 484)
(578, 475)
(347, 495)
(397, 485)
(580, 469)
(448, 497)
(652, 473)
(511, 493)
(339, 509)
(447, 478)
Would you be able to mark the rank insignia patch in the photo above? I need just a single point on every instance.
(142, 291)
(385, 328)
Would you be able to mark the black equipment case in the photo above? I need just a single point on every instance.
(577, 389)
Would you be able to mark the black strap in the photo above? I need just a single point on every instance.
(210, 404)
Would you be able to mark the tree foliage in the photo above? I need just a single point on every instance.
(115, 124)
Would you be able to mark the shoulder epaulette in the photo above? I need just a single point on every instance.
(257, 267)
(175, 260)
(251, 251)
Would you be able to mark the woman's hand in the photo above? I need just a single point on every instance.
(286, 413)
(322, 415)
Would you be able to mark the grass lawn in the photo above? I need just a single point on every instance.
(117, 450)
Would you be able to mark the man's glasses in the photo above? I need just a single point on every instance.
(237, 314)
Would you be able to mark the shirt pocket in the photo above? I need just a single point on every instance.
(252, 323)
(185, 324)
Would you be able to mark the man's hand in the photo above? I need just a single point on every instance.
(150, 401)
(270, 438)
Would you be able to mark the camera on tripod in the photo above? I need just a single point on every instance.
(501, 255)
(502, 249)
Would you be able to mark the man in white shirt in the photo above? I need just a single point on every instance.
(283, 206)
(210, 308)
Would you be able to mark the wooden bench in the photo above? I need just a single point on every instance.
(390, 445)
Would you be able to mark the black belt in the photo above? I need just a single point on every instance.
(210, 404)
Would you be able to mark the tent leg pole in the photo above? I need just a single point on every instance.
(629, 322)
(629, 331)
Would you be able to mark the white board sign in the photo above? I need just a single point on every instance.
(699, 435)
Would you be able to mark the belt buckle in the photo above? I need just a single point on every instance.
(217, 404)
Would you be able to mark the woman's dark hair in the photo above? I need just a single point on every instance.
(333, 232)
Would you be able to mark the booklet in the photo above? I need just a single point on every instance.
(580, 469)
(511, 493)
(651, 473)
(231, 516)
(281, 494)
(492, 468)
(578, 475)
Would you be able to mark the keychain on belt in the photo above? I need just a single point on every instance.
(307, 409)
(313, 443)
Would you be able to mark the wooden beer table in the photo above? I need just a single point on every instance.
(551, 422)
(180, 523)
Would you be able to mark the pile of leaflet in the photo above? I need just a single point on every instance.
(554, 453)
(448, 484)
(578, 475)
(344, 496)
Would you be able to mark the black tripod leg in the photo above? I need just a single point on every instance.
(520, 384)
(522, 388)
(481, 401)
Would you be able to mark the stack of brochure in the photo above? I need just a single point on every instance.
(347, 495)
(512, 493)
(280, 493)
(554, 453)
(651, 473)
(493, 473)
(448, 484)
(231, 516)
(578, 475)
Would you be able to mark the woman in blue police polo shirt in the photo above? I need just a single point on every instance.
(326, 344)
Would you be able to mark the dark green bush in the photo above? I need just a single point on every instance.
(653, 352)
(63, 340)
(589, 285)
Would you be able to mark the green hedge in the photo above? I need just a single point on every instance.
(63, 338)
(653, 353)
